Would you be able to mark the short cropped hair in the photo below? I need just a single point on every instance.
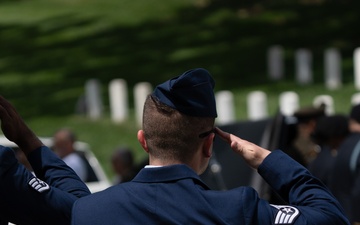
(171, 135)
(70, 135)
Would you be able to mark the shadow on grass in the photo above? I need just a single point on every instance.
(54, 58)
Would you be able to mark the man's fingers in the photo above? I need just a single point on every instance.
(227, 136)
(252, 153)
(4, 115)
(235, 142)
(11, 111)
(4, 108)
(4, 102)
(224, 135)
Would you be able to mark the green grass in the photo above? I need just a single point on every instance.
(49, 48)
(109, 11)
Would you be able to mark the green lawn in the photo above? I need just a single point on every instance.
(108, 11)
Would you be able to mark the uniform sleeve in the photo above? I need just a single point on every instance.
(26, 199)
(310, 202)
(51, 169)
(3, 222)
(355, 194)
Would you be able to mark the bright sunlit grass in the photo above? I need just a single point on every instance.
(120, 11)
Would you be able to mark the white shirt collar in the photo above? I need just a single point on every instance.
(152, 166)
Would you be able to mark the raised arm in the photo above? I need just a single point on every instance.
(25, 199)
(44, 199)
(15, 129)
(310, 202)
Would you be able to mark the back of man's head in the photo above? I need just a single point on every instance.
(177, 112)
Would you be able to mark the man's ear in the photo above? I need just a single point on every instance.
(142, 141)
(207, 147)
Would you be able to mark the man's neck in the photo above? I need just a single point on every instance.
(194, 163)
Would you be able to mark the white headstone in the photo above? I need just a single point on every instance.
(275, 61)
(225, 107)
(141, 91)
(326, 100)
(289, 103)
(333, 76)
(118, 98)
(303, 62)
(257, 107)
(357, 68)
(355, 99)
(93, 99)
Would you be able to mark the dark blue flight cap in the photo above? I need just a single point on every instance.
(190, 93)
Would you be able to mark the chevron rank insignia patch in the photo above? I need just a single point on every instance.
(286, 214)
(38, 185)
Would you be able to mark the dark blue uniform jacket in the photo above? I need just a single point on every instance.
(43, 200)
(176, 195)
(345, 184)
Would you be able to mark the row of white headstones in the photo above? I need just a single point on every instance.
(304, 64)
(257, 106)
(256, 100)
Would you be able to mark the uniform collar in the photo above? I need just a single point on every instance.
(168, 174)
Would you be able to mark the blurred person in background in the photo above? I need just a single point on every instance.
(329, 133)
(345, 181)
(122, 161)
(303, 145)
(64, 140)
